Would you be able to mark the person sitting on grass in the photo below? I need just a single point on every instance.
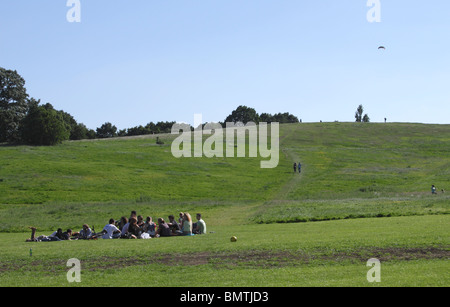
(123, 221)
(133, 229)
(180, 219)
(187, 224)
(110, 231)
(174, 226)
(124, 229)
(135, 232)
(140, 221)
(163, 229)
(200, 226)
(85, 233)
(150, 226)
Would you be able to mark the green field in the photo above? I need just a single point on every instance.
(364, 192)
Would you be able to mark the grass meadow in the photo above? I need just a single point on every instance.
(364, 192)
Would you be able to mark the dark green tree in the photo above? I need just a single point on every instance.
(266, 118)
(122, 132)
(285, 118)
(139, 130)
(79, 132)
(91, 134)
(359, 115)
(76, 132)
(244, 115)
(107, 130)
(282, 118)
(13, 105)
(43, 125)
(151, 127)
(164, 127)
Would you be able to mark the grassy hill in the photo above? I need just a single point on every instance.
(364, 192)
(349, 170)
(362, 170)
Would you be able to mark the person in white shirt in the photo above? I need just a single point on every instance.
(111, 231)
(200, 226)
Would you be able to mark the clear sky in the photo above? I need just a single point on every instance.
(135, 61)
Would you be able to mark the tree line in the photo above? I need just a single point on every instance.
(24, 120)
(246, 114)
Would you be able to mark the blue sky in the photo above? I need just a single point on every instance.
(136, 61)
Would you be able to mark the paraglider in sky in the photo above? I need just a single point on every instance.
(382, 47)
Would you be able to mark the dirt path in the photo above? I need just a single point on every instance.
(244, 259)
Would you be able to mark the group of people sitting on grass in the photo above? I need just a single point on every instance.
(132, 228)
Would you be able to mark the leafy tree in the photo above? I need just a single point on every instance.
(13, 105)
(282, 118)
(164, 127)
(122, 132)
(243, 114)
(151, 127)
(266, 118)
(107, 130)
(285, 118)
(79, 132)
(91, 134)
(76, 132)
(139, 130)
(359, 115)
(43, 125)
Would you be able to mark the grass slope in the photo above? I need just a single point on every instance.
(350, 171)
